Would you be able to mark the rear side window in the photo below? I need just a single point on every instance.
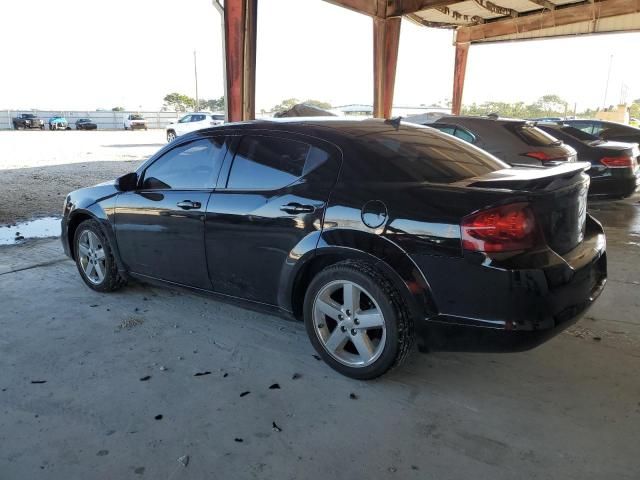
(192, 166)
(418, 155)
(532, 135)
(456, 131)
(269, 163)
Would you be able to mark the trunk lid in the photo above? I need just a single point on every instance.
(557, 195)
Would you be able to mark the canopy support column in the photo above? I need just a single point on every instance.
(460, 68)
(240, 27)
(386, 39)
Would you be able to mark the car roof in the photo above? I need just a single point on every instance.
(476, 119)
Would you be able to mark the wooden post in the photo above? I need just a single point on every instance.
(386, 39)
(460, 68)
(240, 22)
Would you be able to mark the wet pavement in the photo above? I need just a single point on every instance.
(151, 382)
(36, 228)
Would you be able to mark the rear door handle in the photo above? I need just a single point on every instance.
(188, 205)
(294, 208)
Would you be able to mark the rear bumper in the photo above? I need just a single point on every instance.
(483, 308)
(615, 186)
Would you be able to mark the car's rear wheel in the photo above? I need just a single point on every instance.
(94, 258)
(171, 136)
(357, 320)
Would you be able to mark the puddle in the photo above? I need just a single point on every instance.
(38, 228)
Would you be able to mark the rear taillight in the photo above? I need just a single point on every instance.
(543, 156)
(500, 229)
(618, 162)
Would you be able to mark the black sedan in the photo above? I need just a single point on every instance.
(614, 168)
(86, 124)
(375, 233)
(613, 131)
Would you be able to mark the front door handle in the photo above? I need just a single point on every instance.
(188, 205)
(295, 208)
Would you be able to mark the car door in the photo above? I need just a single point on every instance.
(274, 198)
(182, 126)
(160, 226)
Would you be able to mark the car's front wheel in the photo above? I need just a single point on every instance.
(357, 320)
(94, 258)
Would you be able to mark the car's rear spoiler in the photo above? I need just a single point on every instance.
(528, 178)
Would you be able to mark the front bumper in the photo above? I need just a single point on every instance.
(489, 308)
(138, 125)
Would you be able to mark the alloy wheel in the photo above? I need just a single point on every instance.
(349, 323)
(171, 136)
(92, 257)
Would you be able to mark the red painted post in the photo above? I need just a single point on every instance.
(240, 19)
(460, 68)
(386, 40)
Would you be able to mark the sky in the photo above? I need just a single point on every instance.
(85, 55)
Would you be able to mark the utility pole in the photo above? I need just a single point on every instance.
(220, 8)
(606, 88)
(195, 70)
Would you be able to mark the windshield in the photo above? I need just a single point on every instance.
(136, 116)
(217, 117)
(29, 115)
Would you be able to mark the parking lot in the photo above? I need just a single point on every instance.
(152, 382)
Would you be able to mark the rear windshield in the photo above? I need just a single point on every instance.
(532, 135)
(579, 134)
(419, 155)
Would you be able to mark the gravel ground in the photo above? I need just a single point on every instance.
(38, 168)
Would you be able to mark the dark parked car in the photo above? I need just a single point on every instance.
(614, 168)
(86, 124)
(375, 233)
(27, 120)
(613, 131)
(517, 142)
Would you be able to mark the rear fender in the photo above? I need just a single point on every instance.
(335, 245)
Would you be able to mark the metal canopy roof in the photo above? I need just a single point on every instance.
(478, 21)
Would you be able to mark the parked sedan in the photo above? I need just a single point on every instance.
(377, 234)
(192, 122)
(616, 132)
(614, 168)
(86, 124)
(517, 142)
(58, 122)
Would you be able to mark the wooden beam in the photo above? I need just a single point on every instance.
(240, 48)
(390, 8)
(460, 68)
(560, 16)
(386, 40)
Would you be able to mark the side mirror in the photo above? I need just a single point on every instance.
(127, 182)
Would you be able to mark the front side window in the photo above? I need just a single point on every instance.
(192, 166)
(185, 119)
(269, 163)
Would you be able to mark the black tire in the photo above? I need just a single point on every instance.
(398, 323)
(41, 127)
(112, 278)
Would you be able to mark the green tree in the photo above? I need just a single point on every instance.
(215, 104)
(117, 109)
(290, 102)
(179, 102)
(634, 108)
(552, 105)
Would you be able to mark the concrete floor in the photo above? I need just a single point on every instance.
(73, 405)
